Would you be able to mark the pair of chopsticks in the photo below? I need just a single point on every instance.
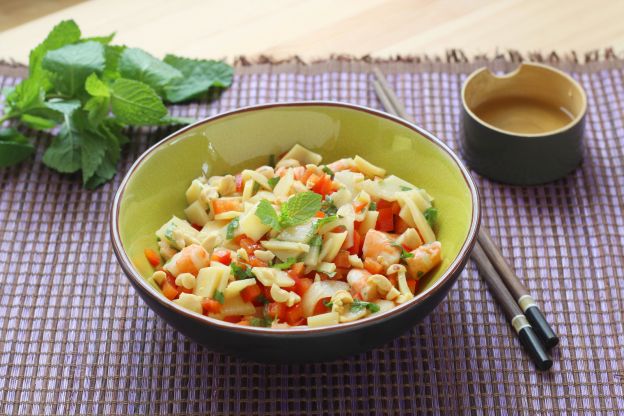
(526, 318)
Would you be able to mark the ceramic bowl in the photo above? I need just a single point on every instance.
(538, 155)
(154, 189)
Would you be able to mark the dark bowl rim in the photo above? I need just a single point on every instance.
(140, 282)
(510, 135)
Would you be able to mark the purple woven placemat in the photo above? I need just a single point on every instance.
(75, 338)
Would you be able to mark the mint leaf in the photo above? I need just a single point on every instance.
(65, 33)
(14, 147)
(112, 54)
(264, 322)
(136, 103)
(299, 209)
(96, 87)
(104, 40)
(72, 64)
(97, 109)
(286, 265)
(267, 215)
(167, 120)
(64, 152)
(231, 228)
(92, 151)
(431, 215)
(139, 65)
(65, 107)
(199, 77)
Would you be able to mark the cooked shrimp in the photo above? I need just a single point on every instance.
(189, 260)
(378, 246)
(425, 258)
(358, 279)
(342, 164)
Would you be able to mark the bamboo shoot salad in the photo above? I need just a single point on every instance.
(301, 243)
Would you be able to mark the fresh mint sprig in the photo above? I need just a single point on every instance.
(297, 210)
(89, 91)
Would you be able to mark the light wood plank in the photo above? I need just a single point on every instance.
(313, 29)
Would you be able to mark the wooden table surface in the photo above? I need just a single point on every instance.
(312, 29)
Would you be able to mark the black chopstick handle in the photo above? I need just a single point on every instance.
(534, 347)
(541, 327)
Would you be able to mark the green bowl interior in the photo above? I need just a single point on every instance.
(246, 139)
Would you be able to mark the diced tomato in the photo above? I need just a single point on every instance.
(357, 243)
(342, 259)
(210, 306)
(302, 284)
(341, 273)
(222, 256)
(393, 279)
(373, 266)
(359, 206)
(233, 318)
(238, 238)
(385, 220)
(239, 182)
(182, 289)
(394, 206)
(296, 270)
(319, 214)
(249, 245)
(251, 293)
(266, 291)
(152, 257)
(256, 262)
(276, 310)
(294, 315)
(413, 285)
(197, 227)
(224, 205)
(323, 185)
(339, 229)
(169, 290)
(400, 225)
(320, 307)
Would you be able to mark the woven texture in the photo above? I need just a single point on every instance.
(75, 338)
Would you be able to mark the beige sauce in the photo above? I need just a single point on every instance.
(523, 115)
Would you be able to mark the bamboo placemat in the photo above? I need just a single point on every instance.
(75, 338)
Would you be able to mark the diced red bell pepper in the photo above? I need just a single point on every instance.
(251, 293)
(222, 256)
(294, 315)
(239, 182)
(169, 290)
(413, 285)
(210, 306)
(356, 248)
(276, 311)
(256, 262)
(249, 245)
(400, 225)
(342, 259)
(385, 220)
(233, 318)
(320, 307)
(301, 286)
(296, 270)
(152, 257)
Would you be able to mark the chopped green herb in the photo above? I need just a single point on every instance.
(328, 171)
(328, 304)
(218, 296)
(272, 160)
(404, 253)
(169, 231)
(358, 305)
(406, 188)
(231, 228)
(322, 221)
(262, 299)
(431, 215)
(328, 207)
(240, 272)
(256, 187)
(372, 206)
(316, 241)
(262, 322)
(274, 181)
(286, 265)
(297, 210)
